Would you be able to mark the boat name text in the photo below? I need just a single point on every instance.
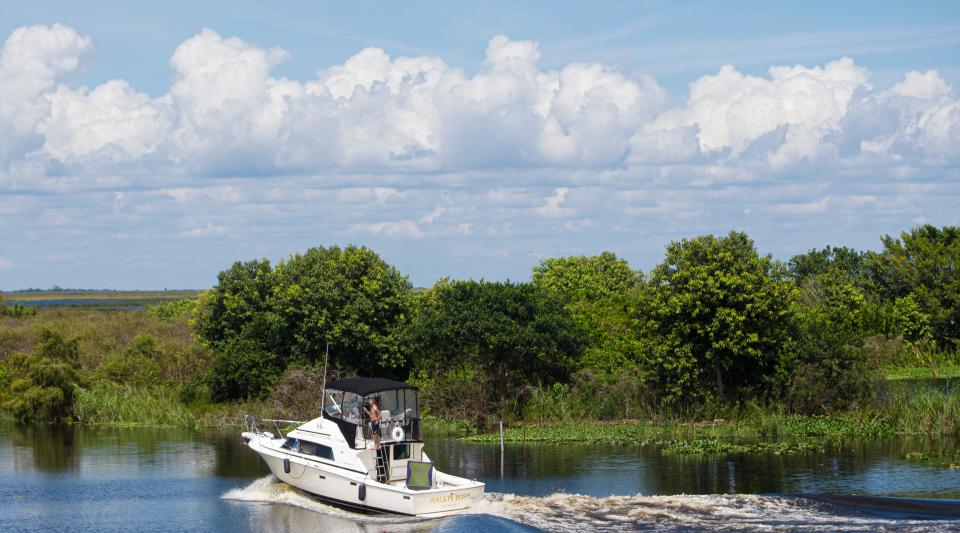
(451, 498)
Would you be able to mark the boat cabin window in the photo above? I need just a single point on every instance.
(319, 450)
(401, 451)
(344, 399)
(399, 404)
(308, 448)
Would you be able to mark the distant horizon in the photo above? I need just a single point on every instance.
(153, 145)
(645, 271)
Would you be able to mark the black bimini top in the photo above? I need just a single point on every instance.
(365, 386)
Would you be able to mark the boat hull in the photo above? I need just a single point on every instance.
(357, 490)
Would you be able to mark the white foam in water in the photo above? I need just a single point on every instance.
(737, 512)
(270, 490)
(573, 512)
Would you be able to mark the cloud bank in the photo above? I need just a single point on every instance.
(226, 115)
(442, 171)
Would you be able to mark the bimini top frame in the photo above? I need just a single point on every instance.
(344, 400)
(367, 386)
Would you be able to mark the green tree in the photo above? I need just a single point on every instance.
(924, 263)
(260, 319)
(238, 305)
(847, 262)
(720, 316)
(599, 292)
(829, 369)
(348, 297)
(41, 388)
(586, 279)
(513, 333)
(909, 320)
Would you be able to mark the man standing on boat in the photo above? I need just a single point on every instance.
(373, 413)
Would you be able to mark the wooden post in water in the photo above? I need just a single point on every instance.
(501, 448)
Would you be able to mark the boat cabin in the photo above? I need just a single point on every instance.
(400, 440)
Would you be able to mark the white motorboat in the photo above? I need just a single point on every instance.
(335, 458)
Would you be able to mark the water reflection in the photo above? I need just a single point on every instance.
(49, 449)
(126, 451)
(601, 470)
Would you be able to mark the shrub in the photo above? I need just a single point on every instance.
(244, 369)
(196, 390)
(138, 365)
(298, 393)
(44, 392)
(16, 311)
(173, 310)
(53, 346)
(462, 392)
(593, 395)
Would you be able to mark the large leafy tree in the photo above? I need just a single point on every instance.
(848, 263)
(586, 278)
(601, 293)
(237, 305)
(262, 319)
(924, 264)
(512, 332)
(720, 314)
(348, 297)
(828, 367)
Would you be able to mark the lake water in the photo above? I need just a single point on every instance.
(104, 304)
(105, 479)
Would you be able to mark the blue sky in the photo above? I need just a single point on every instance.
(149, 145)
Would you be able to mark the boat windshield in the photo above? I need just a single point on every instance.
(399, 409)
(398, 404)
(343, 405)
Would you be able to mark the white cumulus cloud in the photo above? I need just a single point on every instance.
(226, 114)
(32, 60)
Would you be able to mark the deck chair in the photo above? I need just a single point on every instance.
(419, 475)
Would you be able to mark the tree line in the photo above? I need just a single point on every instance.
(716, 323)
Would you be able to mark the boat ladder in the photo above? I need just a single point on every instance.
(382, 476)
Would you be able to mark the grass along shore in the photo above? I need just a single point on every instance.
(930, 413)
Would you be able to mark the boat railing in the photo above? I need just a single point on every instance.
(253, 424)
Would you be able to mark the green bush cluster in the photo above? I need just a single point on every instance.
(56, 365)
(174, 309)
(15, 310)
(41, 386)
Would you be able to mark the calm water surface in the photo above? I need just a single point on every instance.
(100, 479)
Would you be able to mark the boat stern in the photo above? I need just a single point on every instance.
(447, 500)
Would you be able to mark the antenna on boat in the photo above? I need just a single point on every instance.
(326, 358)
(323, 391)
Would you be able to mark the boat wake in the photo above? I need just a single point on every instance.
(733, 512)
(271, 490)
(573, 512)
